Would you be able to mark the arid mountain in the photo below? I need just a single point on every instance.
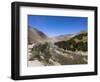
(35, 35)
(66, 37)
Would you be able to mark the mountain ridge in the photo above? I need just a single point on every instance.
(35, 35)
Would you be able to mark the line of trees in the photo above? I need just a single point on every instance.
(73, 45)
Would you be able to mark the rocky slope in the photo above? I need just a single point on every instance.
(35, 35)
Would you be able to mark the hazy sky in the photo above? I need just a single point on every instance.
(58, 25)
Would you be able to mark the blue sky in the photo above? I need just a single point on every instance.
(57, 25)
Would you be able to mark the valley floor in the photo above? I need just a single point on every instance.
(56, 57)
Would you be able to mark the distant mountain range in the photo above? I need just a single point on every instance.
(35, 35)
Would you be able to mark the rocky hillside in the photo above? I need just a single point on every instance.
(76, 43)
(35, 35)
